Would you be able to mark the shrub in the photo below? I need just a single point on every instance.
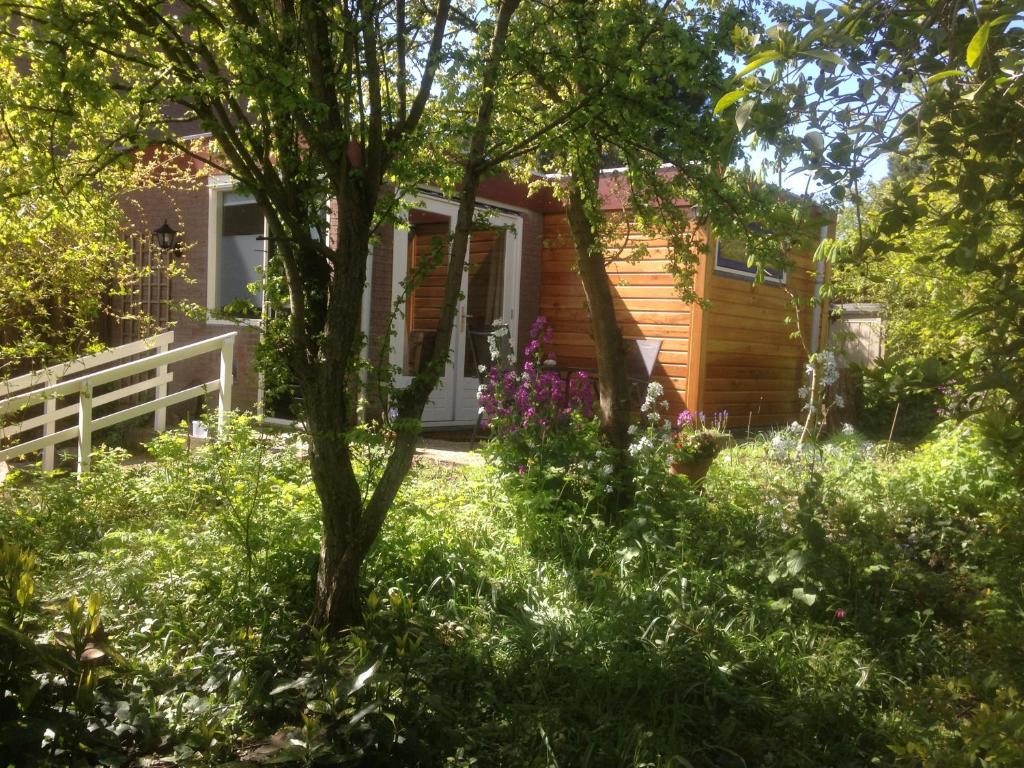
(535, 416)
(922, 400)
(847, 603)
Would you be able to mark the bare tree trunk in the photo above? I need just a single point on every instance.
(612, 381)
(350, 527)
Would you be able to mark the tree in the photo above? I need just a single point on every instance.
(915, 290)
(642, 78)
(304, 102)
(941, 86)
(62, 234)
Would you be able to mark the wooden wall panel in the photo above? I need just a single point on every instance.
(738, 355)
(426, 300)
(646, 304)
(753, 366)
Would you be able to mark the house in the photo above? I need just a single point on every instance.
(737, 355)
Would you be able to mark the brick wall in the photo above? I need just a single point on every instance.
(530, 275)
(187, 211)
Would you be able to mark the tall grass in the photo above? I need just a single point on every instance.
(842, 607)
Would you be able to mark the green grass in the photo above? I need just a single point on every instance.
(850, 607)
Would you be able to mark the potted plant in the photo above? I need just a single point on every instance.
(696, 442)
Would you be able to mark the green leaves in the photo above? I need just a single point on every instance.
(743, 114)
(978, 44)
(729, 99)
(945, 74)
(815, 141)
(759, 61)
(807, 598)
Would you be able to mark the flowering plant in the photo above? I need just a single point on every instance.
(696, 437)
(530, 403)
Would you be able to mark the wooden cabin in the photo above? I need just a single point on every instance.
(738, 354)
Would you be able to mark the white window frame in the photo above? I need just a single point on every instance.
(219, 186)
(750, 275)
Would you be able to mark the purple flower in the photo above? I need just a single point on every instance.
(534, 399)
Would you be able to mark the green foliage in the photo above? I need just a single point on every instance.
(897, 399)
(919, 294)
(848, 603)
(938, 86)
(64, 247)
(53, 671)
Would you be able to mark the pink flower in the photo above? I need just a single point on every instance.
(840, 614)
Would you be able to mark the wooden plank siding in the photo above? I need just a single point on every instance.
(424, 304)
(752, 366)
(737, 355)
(426, 300)
(646, 306)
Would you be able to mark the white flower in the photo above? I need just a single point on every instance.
(607, 469)
(796, 427)
(840, 402)
(641, 445)
(654, 393)
(632, 429)
(848, 429)
(780, 445)
(829, 367)
(803, 392)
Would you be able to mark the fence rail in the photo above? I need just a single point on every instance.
(45, 387)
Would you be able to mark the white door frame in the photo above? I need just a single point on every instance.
(450, 402)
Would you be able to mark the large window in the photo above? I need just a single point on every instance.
(238, 251)
(731, 259)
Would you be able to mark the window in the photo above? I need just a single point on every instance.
(731, 259)
(238, 250)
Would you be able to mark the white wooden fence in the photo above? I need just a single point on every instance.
(45, 387)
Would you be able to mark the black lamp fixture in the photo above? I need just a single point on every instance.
(166, 237)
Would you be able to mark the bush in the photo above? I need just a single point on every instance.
(846, 604)
(921, 394)
(533, 414)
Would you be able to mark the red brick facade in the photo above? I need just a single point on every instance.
(187, 211)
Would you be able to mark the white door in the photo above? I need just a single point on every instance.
(490, 288)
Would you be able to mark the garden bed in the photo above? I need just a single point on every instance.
(843, 606)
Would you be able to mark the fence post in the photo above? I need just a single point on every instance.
(160, 415)
(227, 354)
(49, 408)
(84, 427)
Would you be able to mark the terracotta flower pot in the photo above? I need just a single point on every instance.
(696, 469)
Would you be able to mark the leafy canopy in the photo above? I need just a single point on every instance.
(940, 85)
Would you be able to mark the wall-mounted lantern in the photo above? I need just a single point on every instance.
(166, 238)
